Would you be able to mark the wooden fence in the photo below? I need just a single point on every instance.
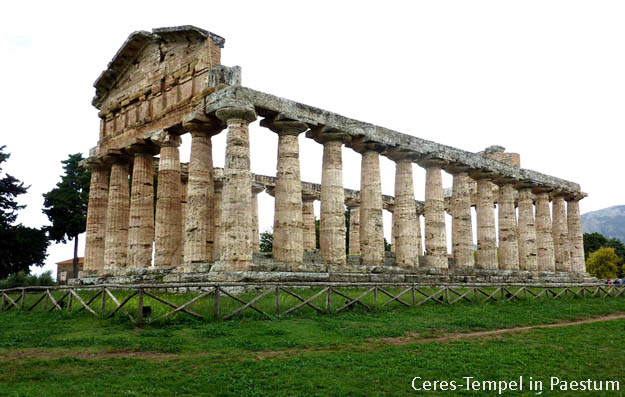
(323, 298)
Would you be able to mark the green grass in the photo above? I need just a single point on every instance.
(45, 353)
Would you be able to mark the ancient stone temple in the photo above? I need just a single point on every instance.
(155, 216)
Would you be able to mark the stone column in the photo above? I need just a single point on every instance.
(461, 229)
(544, 238)
(141, 225)
(405, 216)
(371, 228)
(332, 220)
(526, 231)
(486, 238)
(435, 237)
(288, 233)
(167, 231)
(236, 214)
(419, 235)
(217, 229)
(96, 216)
(576, 237)
(184, 184)
(508, 253)
(117, 213)
(560, 235)
(198, 225)
(308, 218)
(354, 229)
(256, 188)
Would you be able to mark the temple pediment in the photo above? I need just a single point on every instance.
(149, 63)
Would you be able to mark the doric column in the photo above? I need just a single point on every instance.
(256, 188)
(461, 228)
(544, 238)
(419, 235)
(217, 229)
(167, 231)
(371, 228)
(184, 182)
(405, 215)
(117, 213)
(354, 229)
(236, 214)
(486, 238)
(526, 231)
(508, 253)
(560, 232)
(308, 218)
(288, 233)
(435, 237)
(576, 237)
(198, 225)
(96, 215)
(141, 224)
(332, 219)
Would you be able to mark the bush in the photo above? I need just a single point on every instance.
(21, 279)
(603, 263)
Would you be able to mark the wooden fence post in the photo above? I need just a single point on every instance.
(69, 304)
(103, 306)
(329, 300)
(216, 303)
(140, 308)
(23, 298)
(414, 298)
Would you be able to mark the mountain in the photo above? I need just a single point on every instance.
(609, 221)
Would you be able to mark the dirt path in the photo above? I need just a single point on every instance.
(409, 338)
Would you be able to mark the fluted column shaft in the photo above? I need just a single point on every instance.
(419, 235)
(405, 216)
(167, 232)
(371, 228)
(508, 252)
(544, 237)
(576, 237)
(461, 229)
(332, 221)
(354, 230)
(308, 218)
(255, 232)
(236, 214)
(198, 237)
(288, 233)
(96, 218)
(526, 231)
(435, 238)
(486, 238)
(117, 213)
(560, 235)
(217, 229)
(141, 224)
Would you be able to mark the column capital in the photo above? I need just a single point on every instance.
(575, 196)
(202, 125)
(165, 138)
(95, 163)
(257, 188)
(282, 125)
(352, 203)
(323, 134)
(397, 154)
(236, 110)
(309, 197)
(358, 144)
(432, 163)
(143, 147)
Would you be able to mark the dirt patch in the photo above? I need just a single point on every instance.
(415, 338)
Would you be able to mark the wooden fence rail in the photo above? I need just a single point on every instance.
(284, 300)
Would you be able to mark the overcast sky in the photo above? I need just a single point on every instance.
(542, 78)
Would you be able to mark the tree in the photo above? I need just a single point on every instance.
(266, 241)
(66, 205)
(594, 241)
(20, 246)
(603, 263)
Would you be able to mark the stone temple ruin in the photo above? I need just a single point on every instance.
(169, 82)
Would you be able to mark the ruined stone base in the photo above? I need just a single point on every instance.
(263, 269)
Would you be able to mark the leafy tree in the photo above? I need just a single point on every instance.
(594, 241)
(20, 246)
(266, 241)
(602, 263)
(66, 205)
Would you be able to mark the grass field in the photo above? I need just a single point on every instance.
(352, 353)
